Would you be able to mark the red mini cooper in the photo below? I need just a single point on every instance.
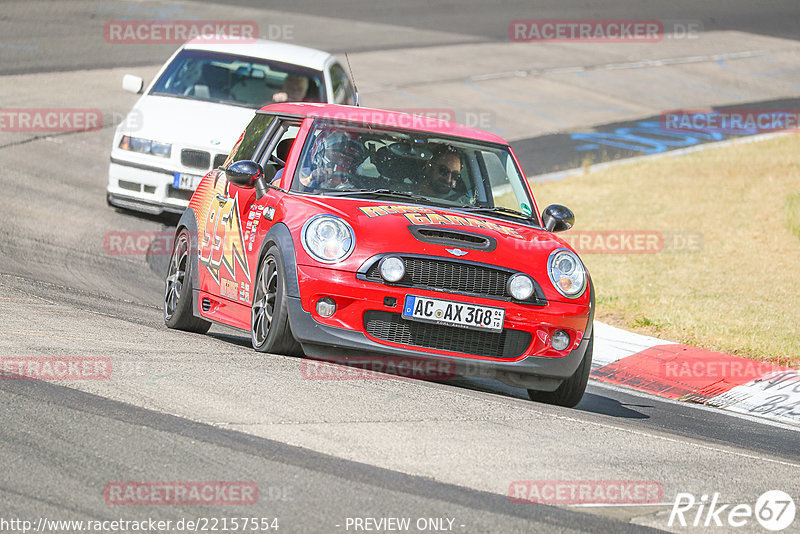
(348, 233)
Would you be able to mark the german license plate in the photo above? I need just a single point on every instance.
(449, 313)
(186, 181)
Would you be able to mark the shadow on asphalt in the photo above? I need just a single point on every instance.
(606, 406)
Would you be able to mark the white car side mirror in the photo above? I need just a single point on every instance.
(132, 84)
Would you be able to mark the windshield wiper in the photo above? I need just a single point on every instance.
(378, 192)
(501, 209)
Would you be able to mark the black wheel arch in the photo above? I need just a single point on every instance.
(280, 236)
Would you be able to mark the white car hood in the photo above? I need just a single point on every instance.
(184, 122)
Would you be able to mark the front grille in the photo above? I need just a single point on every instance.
(180, 194)
(445, 275)
(197, 159)
(392, 327)
(219, 159)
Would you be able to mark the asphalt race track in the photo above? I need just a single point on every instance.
(183, 407)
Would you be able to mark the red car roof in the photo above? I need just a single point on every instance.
(382, 117)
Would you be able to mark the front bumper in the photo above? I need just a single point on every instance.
(142, 188)
(344, 337)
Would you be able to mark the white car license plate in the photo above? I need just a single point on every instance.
(453, 313)
(186, 181)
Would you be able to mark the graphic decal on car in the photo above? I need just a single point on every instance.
(418, 215)
(222, 242)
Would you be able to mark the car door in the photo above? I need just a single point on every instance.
(256, 214)
(236, 220)
(222, 248)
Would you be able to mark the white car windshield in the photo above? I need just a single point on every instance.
(238, 80)
(423, 168)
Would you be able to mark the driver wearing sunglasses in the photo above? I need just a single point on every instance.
(441, 175)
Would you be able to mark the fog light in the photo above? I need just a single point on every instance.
(392, 269)
(326, 306)
(520, 286)
(560, 340)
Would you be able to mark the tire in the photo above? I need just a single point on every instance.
(178, 297)
(570, 392)
(269, 316)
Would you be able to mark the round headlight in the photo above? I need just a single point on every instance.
(392, 269)
(328, 239)
(520, 286)
(566, 273)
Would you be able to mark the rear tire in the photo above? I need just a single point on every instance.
(571, 390)
(178, 294)
(269, 317)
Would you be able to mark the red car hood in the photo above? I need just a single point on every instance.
(382, 227)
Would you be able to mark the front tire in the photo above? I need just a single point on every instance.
(571, 391)
(178, 297)
(269, 317)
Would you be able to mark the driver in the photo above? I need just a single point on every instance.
(441, 176)
(334, 159)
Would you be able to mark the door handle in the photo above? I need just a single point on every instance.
(221, 199)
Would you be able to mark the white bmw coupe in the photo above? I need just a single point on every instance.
(190, 116)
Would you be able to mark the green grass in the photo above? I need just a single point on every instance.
(740, 292)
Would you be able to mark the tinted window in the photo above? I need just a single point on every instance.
(341, 85)
(237, 80)
(252, 137)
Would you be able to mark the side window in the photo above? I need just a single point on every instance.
(271, 161)
(246, 147)
(342, 87)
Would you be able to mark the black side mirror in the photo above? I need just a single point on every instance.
(557, 218)
(244, 173)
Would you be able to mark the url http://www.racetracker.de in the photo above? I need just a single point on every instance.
(197, 524)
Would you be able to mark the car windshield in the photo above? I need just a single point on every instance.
(238, 80)
(424, 168)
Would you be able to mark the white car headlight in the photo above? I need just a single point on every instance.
(145, 146)
(520, 286)
(328, 239)
(566, 273)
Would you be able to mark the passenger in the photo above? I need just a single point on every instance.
(334, 159)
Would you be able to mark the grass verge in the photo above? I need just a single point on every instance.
(728, 275)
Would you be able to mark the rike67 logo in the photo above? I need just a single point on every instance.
(774, 510)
